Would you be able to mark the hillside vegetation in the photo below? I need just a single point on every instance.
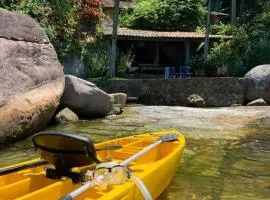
(249, 47)
(183, 15)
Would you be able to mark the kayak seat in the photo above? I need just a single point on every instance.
(64, 151)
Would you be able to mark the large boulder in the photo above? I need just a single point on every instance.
(85, 98)
(258, 83)
(31, 77)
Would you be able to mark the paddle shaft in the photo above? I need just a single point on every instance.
(78, 191)
(140, 153)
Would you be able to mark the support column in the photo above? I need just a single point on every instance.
(207, 32)
(233, 12)
(114, 39)
(156, 61)
(187, 51)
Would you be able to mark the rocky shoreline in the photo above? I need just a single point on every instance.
(34, 90)
(33, 87)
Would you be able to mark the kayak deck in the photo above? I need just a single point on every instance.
(156, 169)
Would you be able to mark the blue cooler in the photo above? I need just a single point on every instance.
(169, 72)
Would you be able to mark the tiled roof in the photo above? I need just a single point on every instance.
(123, 4)
(126, 33)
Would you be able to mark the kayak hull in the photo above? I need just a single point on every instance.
(156, 170)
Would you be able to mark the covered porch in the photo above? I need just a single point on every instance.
(155, 51)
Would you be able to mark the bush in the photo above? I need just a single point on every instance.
(249, 47)
(203, 64)
(165, 15)
(123, 62)
(62, 20)
(96, 59)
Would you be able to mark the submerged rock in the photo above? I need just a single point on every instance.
(195, 100)
(85, 98)
(258, 83)
(258, 102)
(31, 77)
(65, 116)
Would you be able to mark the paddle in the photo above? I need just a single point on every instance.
(88, 185)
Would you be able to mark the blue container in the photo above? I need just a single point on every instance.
(184, 72)
(169, 72)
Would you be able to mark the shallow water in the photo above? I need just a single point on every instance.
(227, 155)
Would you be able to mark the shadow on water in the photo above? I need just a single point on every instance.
(225, 169)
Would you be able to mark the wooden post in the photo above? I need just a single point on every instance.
(187, 52)
(207, 32)
(114, 39)
(233, 12)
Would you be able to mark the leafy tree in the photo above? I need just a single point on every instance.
(70, 25)
(165, 15)
(250, 45)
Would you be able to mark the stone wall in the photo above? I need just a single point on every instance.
(215, 91)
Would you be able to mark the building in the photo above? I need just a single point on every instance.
(155, 50)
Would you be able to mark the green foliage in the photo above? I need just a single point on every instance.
(206, 65)
(249, 47)
(63, 22)
(59, 19)
(228, 29)
(96, 58)
(8, 4)
(123, 62)
(165, 15)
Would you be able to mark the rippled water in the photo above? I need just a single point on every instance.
(227, 155)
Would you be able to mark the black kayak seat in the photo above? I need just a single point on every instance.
(64, 150)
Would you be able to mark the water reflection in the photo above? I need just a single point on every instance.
(227, 154)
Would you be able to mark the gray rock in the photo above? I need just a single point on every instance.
(18, 26)
(195, 100)
(236, 105)
(120, 98)
(116, 109)
(85, 98)
(257, 102)
(65, 116)
(258, 83)
(31, 80)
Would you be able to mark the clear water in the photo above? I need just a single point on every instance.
(227, 154)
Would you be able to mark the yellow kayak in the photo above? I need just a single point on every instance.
(69, 162)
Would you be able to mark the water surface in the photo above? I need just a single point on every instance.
(227, 155)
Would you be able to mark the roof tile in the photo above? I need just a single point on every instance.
(147, 34)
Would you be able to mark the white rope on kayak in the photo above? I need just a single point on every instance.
(145, 192)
